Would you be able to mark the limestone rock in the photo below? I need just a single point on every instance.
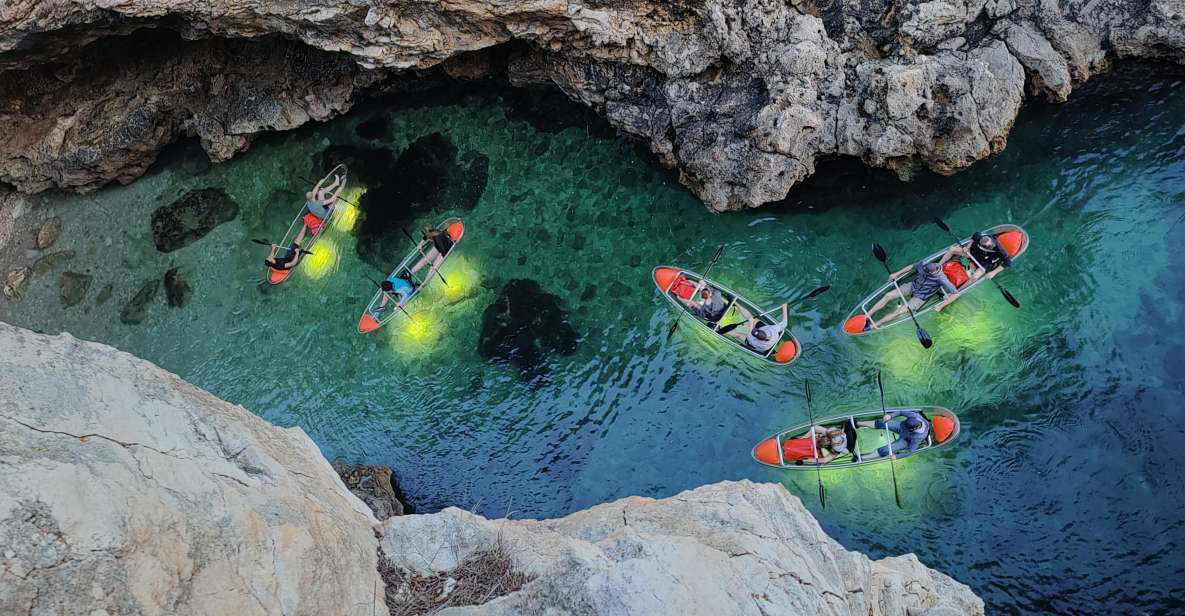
(374, 485)
(16, 281)
(49, 233)
(125, 490)
(741, 96)
(73, 287)
(727, 548)
(191, 217)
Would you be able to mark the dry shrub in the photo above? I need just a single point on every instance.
(482, 576)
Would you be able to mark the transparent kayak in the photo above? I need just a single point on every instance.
(369, 322)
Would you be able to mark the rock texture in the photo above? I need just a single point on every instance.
(727, 548)
(125, 490)
(742, 96)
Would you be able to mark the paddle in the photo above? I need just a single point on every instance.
(817, 292)
(269, 244)
(712, 263)
(892, 461)
(397, 304)
(423, 255)
(923, 337)
(1003, 291)
(814, 445)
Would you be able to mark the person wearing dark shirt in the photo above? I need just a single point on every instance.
(985, 253)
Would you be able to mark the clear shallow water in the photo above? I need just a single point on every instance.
(1061, 495)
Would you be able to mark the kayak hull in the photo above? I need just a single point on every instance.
(769, 451)
(367, 323)
(275, 276)
(669, 281)
(1012, 238)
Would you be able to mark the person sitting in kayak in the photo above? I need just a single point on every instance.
(929, 281)
(441, 244)
(706, 303)
(829, 444)
(911, 433)
(318, 204)
(394, 288)
(761, 337)
(983, 250)
(285, 261)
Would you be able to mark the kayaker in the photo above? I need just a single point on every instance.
(983, 250)
(911, 433)
(761, 337)
(441, 245)
(829, 444)
(285, 261)
(394, 288)
(929, 281)
(708, 304)
(319, 203)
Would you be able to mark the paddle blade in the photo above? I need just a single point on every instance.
(896, 492)
(719, 251)
(728, 328)
(941, 225)
(807, 387)
(879, 251)
(261, 242)
(924, 338)
(1008, 296)
(817, 292)
(671, 331)
(822, 494)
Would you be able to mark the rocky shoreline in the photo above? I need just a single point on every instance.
(742, 98)
(127, 490)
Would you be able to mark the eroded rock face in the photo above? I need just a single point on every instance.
(524, 326)
(726, 548)
(742, 96)
(125, 490)
(191, 217)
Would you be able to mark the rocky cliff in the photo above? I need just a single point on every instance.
(125, 490)
(743, 97)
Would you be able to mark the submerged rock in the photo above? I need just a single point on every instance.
(176, 287)
(49, 233)
(191, 217)
(430, 175)
(524, 326)
(375, 486)
(73, 287)
(136, 310)
(16, 281)
(104, 294)
(47, 262)
(374, 128)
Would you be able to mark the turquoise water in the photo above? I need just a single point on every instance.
(1061, 496)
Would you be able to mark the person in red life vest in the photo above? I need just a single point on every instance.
(985, 254)
(828, 444)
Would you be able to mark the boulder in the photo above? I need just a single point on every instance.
(73, 287)
(136, 310)
(177, 288)
(125, 490)
(48, 233)
(191, 217)
(16, 281)
(524, 326)
(375, 486)
(734, 548)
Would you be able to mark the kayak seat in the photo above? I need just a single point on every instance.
(943, 427)
(956, 273)
(1012, 241)
(857, 324)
